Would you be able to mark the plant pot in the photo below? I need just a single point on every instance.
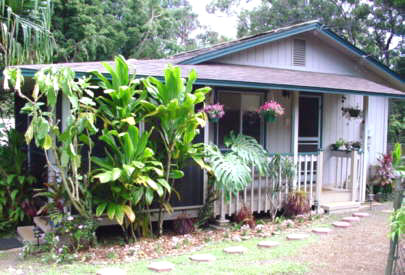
(269, 117)
(354, 112)
(214, 120)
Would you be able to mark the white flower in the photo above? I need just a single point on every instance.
(60, 250)
(70, 218)
(81, 226)
(57, 238)
(245, 227)
(259, 226)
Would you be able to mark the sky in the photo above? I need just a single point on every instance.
(223, 24)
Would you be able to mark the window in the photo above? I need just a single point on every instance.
(240, 116)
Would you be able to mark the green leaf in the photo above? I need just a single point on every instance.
(129, 213)
(116, 174)
(176, 174)
(100, 209)
(104, 177)
(148, 196)
(29, 134)
(47, 142)
(111, 211)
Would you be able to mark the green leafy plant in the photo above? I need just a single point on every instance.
(62, 145)
(232, 169)
(132, 176)
(175, 119)
(16, 205)
(398, 223)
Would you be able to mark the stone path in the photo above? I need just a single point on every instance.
(344, 224)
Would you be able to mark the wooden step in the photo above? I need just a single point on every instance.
(341, 207)
(26, 234)
(43, 223)
(331, 196)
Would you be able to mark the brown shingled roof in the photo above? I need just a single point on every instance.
(246, 75)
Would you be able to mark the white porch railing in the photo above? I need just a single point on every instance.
(348, 172)
(265, 193)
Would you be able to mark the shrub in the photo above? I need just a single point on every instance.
(245, 216)
(296, 204)
(183, 225)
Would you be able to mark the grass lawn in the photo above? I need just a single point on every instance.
(254, 261)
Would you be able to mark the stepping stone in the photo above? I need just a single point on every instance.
(202, 258)
(321, 230)
(297, 237)
(235, 250)
(351, 219)
(268, 244)
(361, 214)
(161, 266)
(111, 271)
(341, 224)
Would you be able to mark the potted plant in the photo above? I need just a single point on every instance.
(270, 110)
(339, 145)
(352, 112)
(214, 112)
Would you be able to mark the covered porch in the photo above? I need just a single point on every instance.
(333, 180)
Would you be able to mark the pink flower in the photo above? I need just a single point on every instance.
(214, 111)
(271, 106)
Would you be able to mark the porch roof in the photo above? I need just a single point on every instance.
(239, 76)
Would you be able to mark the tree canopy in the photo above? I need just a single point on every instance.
(88, 30)
(374, 26)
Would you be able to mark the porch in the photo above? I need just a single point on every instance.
(332, 180)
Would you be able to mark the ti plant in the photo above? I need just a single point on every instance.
(62, 144)
(131, 176)
(175, 119)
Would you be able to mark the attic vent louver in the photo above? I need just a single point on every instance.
(299, 52)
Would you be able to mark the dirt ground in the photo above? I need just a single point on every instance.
(360, 249)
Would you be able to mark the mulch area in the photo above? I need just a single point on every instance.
(9, 243)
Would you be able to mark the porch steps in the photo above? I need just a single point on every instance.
(340, 207)
(332, 196)
(26, 234)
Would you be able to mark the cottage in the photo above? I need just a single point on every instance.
(330, 90)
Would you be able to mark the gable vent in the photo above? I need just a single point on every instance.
(299, 52)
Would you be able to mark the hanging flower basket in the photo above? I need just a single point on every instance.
(352, 112)
(214, 112)
(270, 110)
(269, 117)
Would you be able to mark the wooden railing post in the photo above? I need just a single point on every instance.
(319, 176)
(354, 183)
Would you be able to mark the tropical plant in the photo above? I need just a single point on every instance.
(176, 120)
(296, 204)
(16, 185)
(385, 170)
(62, 145)
(397, 223)
(232, 170)
(25, 32)
(132, 174)
(280, 168)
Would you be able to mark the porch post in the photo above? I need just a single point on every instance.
(356, 187)
(294, 132)
(365, 150)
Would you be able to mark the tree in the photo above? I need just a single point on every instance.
(374, 26)
(25, 36)
(87, 30)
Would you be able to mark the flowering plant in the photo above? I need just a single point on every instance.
(214, 111)
(270, 110)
